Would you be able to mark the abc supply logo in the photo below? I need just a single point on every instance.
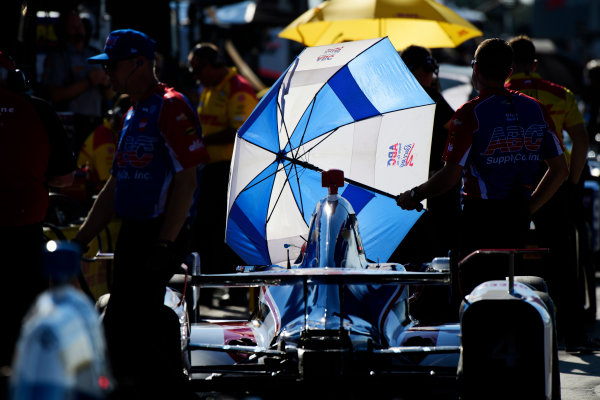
(328, 54)
(506, 146)
(137, 152)
(401, 155)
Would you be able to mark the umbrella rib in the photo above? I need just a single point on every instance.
(261, 180)
(267, 177)
(287, 134)
(278, 196)
(296, 155)
(323, 138)
(299, 191)
(287, 177)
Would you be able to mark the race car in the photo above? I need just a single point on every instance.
(331, 324)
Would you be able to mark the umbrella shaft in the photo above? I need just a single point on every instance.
(350, 181)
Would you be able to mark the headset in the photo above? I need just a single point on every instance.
(138, 64)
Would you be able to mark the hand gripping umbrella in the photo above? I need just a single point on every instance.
(353, 106)
(420, 22)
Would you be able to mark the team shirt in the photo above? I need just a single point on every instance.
(160, 136)
(98, 152)
(34, 148)
(226, 105)
(499, 138)
(559, 101)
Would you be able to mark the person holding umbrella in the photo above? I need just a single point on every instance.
(431, 236)
(496, 143)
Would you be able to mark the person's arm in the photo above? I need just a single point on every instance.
(178, 204)
(61, 163)
(101, 213)
(579, 151)
(96, 77)
(60, 93)
(556, 174)
(440, 183)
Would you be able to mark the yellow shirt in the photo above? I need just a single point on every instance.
(226, 105)
(559, 101)
(97, 153)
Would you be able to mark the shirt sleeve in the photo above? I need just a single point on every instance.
(572, 114)
(183, 135)
(460, 137)
(55, 70)
(552, 146)
(98, 152)
(240, 107)
(62, 160)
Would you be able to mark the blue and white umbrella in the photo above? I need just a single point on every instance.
(352, 106)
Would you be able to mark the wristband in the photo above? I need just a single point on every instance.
(414, 195)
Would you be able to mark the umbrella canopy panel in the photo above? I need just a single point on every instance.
(354, 107)
(420, 22)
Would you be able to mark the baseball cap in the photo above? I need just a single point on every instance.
(123, 44)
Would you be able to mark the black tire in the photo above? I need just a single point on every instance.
(555, 361)
(505, 337)
(534, 282)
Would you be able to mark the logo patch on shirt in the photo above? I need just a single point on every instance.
(137, 152)
(196, 144)
(7, 110)
(513, 138)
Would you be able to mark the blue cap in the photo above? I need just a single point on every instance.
(123, 44)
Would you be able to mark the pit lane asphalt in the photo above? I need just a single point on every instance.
(579, 372)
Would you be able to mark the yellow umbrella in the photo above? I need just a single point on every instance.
(421, 22)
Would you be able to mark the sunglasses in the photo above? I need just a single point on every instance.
(113, 65)
(431, 65)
